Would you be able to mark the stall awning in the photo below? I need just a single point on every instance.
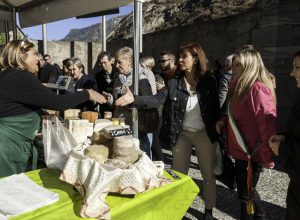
(36, 12)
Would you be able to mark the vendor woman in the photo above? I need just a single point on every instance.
(21, 97)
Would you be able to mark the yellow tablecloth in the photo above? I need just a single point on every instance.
(168, 202)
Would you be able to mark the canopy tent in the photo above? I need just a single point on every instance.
(37, 12)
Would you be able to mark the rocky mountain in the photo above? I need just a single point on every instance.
(163, 14)
(92, 33)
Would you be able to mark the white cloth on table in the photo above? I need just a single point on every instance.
(94, 180)
(19, 194)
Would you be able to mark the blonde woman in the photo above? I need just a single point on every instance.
(22, 95)
(149, 63)
(252, 119)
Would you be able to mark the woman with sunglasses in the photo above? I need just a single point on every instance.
(21, 97)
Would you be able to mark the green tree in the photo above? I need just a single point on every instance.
(2, 38)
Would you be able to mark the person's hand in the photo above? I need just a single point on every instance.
(159, 86)
(106, 95)
(126, 99)
(96, 97)
(220, 127)
(275, 141)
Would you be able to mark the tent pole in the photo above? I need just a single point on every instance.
(103, 33)
(6, 31)
(136, 48)
(141, 27)
(14, 21)
(45, 49)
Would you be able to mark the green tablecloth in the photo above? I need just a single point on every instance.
(168, 202)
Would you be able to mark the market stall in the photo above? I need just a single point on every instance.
(167, 202)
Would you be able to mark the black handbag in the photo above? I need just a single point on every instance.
(228, 175)
(148, 120)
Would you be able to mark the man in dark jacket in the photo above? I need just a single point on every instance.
(48, 59)
(47, 73)
(105, 79)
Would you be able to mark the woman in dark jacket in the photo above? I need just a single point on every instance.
(21, 97)
(82, 81)
(191, 110)
(291, 149)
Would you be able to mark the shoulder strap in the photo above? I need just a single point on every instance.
(236, 131)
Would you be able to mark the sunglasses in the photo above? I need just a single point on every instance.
(163, 61)
(23, 45)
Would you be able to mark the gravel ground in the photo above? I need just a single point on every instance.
(272, 187)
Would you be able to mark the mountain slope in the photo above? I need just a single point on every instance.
(92, 33)
(164, 14)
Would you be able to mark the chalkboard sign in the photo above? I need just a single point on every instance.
(120, 132)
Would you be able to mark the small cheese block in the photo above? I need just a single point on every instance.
(125, 151)
(104, 141)
(126, 142)
(97, 152)
(90, 129)
(78, 128)
(91, 116)
(52, 112)
(97, 137)
(128, 159)
(71, 114)
(102, 123)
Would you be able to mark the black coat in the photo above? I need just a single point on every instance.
(290, 149)
(104, 81)
(175, 97)
(48, 73)
(85, 82)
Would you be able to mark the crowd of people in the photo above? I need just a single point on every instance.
(186, 105)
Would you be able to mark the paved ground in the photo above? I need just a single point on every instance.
(272, 188)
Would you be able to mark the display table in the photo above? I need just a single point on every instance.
(169, 202)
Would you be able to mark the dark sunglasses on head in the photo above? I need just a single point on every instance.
(23, 45)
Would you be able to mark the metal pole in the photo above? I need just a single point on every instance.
(44, 26)
(103, 33)
(136, 48)
(6, 31)
(14, 20)
(141, 26)
(20, 31)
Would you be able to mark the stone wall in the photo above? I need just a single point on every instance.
(274, 29)
(60, 50)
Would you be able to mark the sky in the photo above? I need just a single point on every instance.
(59, 29)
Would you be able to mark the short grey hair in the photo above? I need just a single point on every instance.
(147, 62)
(125, 52)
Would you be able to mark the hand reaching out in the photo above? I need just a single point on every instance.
(96, 97)
(159, 86)
(126, 99)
